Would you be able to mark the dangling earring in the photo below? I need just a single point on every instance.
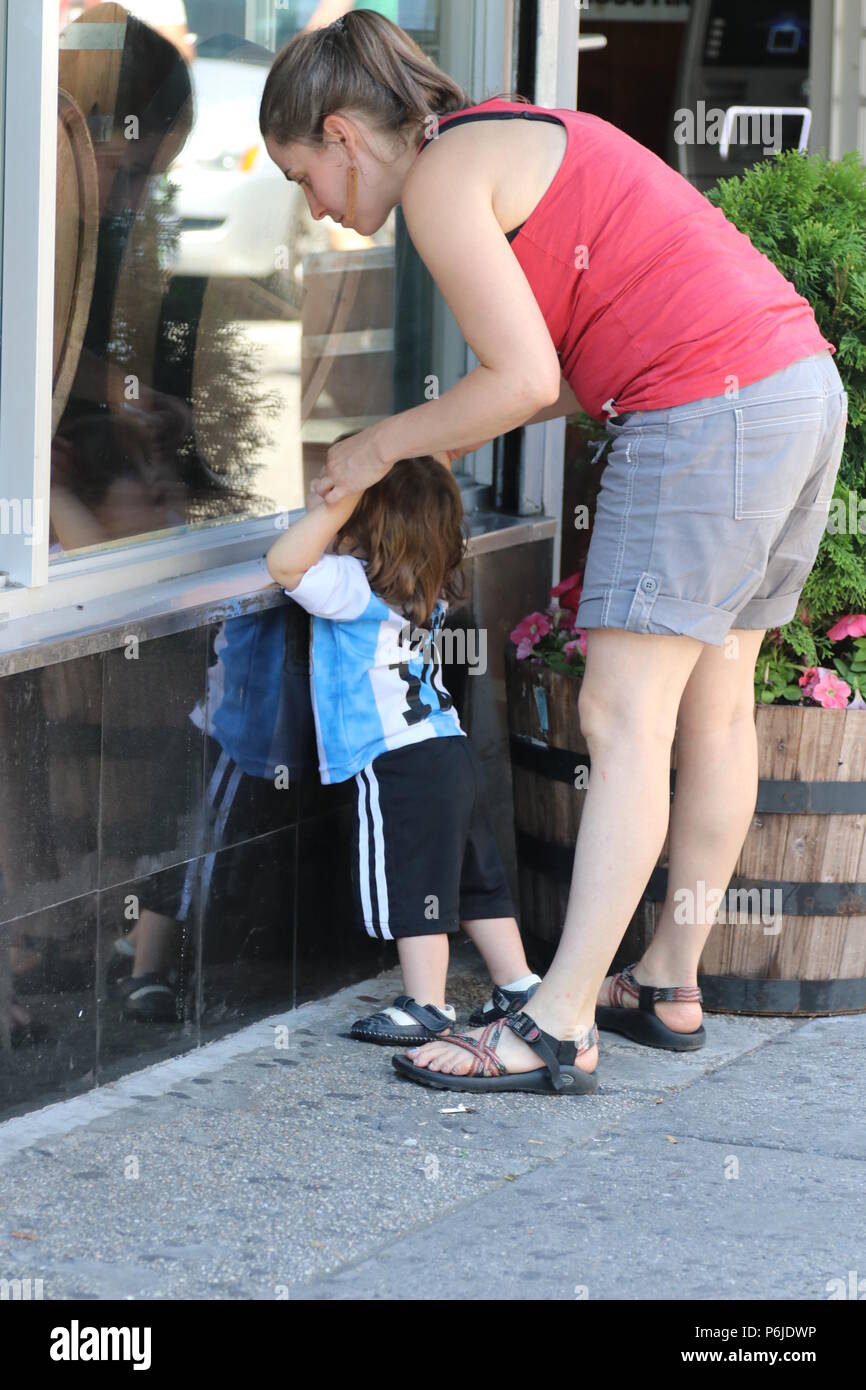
(351, 194)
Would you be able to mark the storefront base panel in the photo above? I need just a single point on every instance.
(132, 841)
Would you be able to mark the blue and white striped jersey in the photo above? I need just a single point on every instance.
(375, 683)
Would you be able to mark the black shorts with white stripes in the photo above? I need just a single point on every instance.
(424, 857)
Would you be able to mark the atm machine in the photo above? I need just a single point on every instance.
(743, 75)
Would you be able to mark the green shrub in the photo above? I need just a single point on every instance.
(808, 216)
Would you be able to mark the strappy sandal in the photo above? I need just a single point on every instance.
(502, 1002)
(642, 1024)
(381, 1028)
(559, 1076)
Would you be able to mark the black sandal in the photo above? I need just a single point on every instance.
(148, 998)
(380, 1028)
(559, 1076)
(502, 1002)
(642, 1024)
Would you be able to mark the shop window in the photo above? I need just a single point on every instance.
(210, 338)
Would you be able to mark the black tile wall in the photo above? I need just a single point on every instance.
(48, 1005)
(162, 822)
(50, 740)
(152, 756)
(147, 970)
(248, 931)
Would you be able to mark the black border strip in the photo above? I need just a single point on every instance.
(783, 996)
(774, 797)
(798, 899)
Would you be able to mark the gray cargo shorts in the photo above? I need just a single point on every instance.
(709, 514)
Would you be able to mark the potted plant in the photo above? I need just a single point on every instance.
(806, 849)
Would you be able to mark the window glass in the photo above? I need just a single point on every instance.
(211, 338)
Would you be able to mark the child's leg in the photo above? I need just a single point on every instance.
(486, 907)
(424, 963)
(498, 942)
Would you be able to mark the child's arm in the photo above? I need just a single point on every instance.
(303, 545)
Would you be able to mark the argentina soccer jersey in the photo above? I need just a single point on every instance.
(375, 682)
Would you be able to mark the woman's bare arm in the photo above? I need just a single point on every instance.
(568, 404)
(448, 207)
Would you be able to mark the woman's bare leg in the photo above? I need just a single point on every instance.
(716, 790)
(628, 711)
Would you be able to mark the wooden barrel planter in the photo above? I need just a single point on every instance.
(793, 941)
(75, 246)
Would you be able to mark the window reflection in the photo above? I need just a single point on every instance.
(211, 339)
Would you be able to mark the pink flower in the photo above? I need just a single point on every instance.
(831, 692)
(580, 642)
(775, 637)
(568, 591)
(524, 647)
(530, 630)
(809, 679)
(854, 625)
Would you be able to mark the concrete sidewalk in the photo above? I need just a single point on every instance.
(735, 1172)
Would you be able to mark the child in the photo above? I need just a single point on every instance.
(424, 860)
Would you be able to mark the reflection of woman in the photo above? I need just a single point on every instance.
(128, 459)
(599, 274)
(166, 16)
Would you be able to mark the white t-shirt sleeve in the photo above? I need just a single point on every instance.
(336, 587)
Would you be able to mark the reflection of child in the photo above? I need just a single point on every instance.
(258, 726)
(424, 860)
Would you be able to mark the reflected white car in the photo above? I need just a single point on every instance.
(235, 208)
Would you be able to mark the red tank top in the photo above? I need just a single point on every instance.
(651, 296)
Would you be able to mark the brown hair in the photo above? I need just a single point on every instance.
(409, 529)
(366, 63)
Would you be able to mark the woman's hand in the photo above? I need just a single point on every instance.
(353, 465)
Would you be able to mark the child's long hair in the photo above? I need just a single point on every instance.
(368, 64)
(409, 529)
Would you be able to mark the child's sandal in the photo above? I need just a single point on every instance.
(501, 1002)
(382, 1028)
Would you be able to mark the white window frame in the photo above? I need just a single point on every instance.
(26, 356)
(543, 456)
(27, 310)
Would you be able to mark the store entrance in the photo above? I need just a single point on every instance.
(631, 81)
(711, 86)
